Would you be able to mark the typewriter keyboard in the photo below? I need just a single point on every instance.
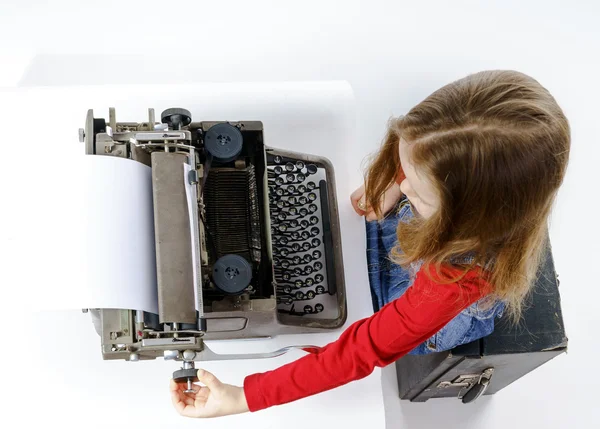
(301, 238)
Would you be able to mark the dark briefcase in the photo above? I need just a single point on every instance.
(486, 366)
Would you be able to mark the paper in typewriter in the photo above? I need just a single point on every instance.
(119, 243)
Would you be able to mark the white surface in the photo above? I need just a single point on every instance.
(393, 53)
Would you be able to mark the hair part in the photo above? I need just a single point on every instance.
(495, 146)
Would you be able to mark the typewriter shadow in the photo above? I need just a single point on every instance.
(435, 413)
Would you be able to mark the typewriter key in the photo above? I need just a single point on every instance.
(298, 284)
(282, 227)
(300, 177)
(292, 200)
(308, 309)
(285, 264)
(299, 295)
(279, 192)
(316, 242)
(287, 289)
(310, 294)
(290, 178)
(279, 181)
(303, 200)
(308, 270)
(312, 208)
(278, 170)
(277, 159)
(282, 216)
(309, 281)
(318, 266)
(319, 278)
(311, 168)
(296, 260)
(296, 247)
(314, 231)
(284, 252)
(298, 271)
(306, 247)
(316, 254)
(293, 211)
(286, 276)
(291, 189)
(289, 166)
(304, 224)
(299, 165)
(293, 223)
(305, 235)
(301, 189)
(314, 220)
(319, 307)
(283, 241)
(303, 212)
(296, 236)
(312, 196)
(311, 186)
(320, 290)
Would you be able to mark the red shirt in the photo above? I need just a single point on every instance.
(396, 329)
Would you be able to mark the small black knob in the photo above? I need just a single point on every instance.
(176, 118)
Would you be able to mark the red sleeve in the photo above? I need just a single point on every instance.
(379, 340)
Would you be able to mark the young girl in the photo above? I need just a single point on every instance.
(456, 204)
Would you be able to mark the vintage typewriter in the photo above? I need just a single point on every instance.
(247, 239)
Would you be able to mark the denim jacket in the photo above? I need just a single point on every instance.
(388, 281)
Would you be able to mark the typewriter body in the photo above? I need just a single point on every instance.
(247, 238)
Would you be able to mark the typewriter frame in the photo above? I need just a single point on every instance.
(248, 318)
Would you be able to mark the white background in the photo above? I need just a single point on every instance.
(394, 53)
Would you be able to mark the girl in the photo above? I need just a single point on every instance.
(456, 204)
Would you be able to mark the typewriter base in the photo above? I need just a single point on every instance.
(511, 351)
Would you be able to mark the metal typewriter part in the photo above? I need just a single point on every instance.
(257, 252)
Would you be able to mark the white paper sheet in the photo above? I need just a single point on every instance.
(120, 257)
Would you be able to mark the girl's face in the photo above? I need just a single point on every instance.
(417, 187)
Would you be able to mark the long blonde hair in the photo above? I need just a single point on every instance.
(496, 145)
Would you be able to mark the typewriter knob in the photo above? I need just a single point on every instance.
(176, 118)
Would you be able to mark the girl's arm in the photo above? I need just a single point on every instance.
(379, 340)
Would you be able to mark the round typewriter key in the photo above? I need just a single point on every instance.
(293, 223)
(299, 295)
(296, 247)
(312, 196)
(291, 189)
(279, 192)
(298, 284)
(314, 220)
(303, 212)
(319, 278)
(311, 168)
(289, 166)
(297, 271)
(276, 261)
(280, 204)
(307, 309)
(300, 177)
(310, 294)
(285, 264)
(306, 247)
(279, 181)
(284, 252)
(301, 189)
(292, 200)
(278, 170)
(303, 200)
(315, 242)
(287, 289)
(311, 186)
(290, 178)
(299, 165)
(287, 300)
(304, 224)
(283, 241)
(309, 281)
(316, 254)
(305, 235)
(277, 159)
(319, 307)
(286, 276)
(296, 260)
(315, 231)
(293, 211)
(318, 266)
(320, 290)
(283, 227)
(282, 216)
(312, 208)
(307, 258)
(308, 269)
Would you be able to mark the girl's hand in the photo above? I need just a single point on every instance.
(389, 200)
(214, 399)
